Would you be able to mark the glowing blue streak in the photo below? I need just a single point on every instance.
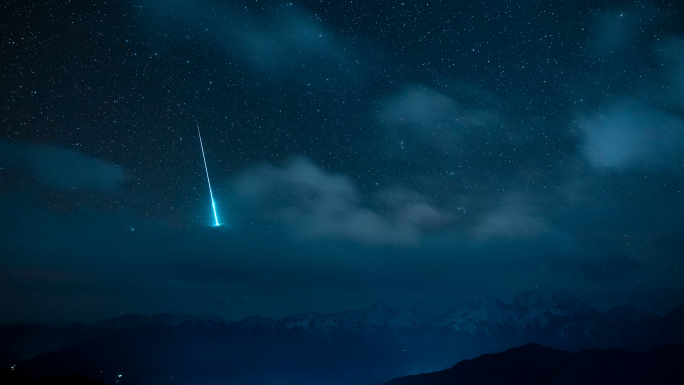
(213, 205)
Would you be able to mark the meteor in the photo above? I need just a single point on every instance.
(213, 205)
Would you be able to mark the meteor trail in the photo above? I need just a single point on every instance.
(213, 205)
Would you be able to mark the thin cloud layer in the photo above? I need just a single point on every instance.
(617, 29)
(671, 53)
(511, 221)
(315, 204)
(294, 35)
(61, 167)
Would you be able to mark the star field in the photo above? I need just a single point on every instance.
(405, 152)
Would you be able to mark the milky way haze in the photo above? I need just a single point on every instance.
(416, 154)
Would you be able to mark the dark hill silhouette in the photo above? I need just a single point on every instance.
(11, 377)
(534, 364)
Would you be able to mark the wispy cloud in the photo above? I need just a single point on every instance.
(617, 29)
(316, 204)
(513, 220)
(275, 38)
(631, 134)
(434, 118)
(671, 54)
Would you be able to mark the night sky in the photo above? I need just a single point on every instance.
(418, 154)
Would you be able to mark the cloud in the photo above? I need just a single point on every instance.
(420, 107)
(618, 29)
(292, 38)
(671, 54)
(613, 32)
(513, 220)
(283, 37)
(315, 204)
(434, 118)
(61, 167)
(633, 135)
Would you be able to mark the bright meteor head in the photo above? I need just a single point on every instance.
(211, 194)
(213, 207)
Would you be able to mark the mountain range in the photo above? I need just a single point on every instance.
(350, 347)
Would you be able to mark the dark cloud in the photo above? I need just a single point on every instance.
(603, 267)
(61, 167)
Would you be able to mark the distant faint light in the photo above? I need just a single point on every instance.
(132, 228)
(13, 366)
(119, 375)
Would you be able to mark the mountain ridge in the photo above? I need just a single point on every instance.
(347, 343)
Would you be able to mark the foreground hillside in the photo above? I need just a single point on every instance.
(537, 365)
(11, 377)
